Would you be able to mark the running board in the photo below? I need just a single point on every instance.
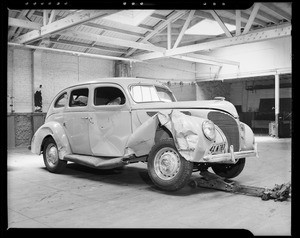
(96, 162)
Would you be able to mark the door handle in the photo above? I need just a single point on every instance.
(88, 118)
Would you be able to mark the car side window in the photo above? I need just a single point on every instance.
(108, 96)
(61, 101)
(79, 97)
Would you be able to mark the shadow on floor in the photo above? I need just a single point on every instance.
(126, 176)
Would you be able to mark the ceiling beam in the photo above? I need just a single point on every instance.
(169, 36)
(221, 23)
(213, 59)
(62, 24)
(148, 28)
(109, 28)
(237, 22)
(28, 16)
(245, 17)
(251, 18)
(158, 16)
(112, 41)
(13, 29)
(105, 25)
(85, 45)
(76, 53)
(278, 11)
(23, 23)
(52, 16)
(159, 27)
(184, 27)
(45, 17)
(254, 36)
(185, 38)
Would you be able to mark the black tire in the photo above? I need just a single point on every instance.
(229, 170)
(50, 156)
(167, 169)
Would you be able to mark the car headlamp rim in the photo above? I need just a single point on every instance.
(210, 134)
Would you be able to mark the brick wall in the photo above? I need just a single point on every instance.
(55, 71)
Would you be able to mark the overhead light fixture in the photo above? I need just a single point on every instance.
(208, 27)
(129, 17)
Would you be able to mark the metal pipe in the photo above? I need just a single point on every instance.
(75, 53)
(277, 98)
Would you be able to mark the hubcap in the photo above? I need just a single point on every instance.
(52, 155)
(166, 163)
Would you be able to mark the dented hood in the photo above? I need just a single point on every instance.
(205, 104)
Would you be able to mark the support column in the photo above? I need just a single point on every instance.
(277, 98)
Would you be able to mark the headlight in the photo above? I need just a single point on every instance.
(209, 130)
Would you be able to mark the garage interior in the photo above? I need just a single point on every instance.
(247, 60)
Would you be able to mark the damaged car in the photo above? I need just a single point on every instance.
(114, 122)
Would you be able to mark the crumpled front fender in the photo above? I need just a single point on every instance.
(186, 131)
(55, 130)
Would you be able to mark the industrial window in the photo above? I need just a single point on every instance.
(61, 101)
(79, 97)
(108, 96)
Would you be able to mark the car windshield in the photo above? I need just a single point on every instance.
(150, 93)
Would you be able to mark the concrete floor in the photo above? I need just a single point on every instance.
(82, 197)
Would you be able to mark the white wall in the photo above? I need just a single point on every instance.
(179, 73)
(166, 69)
(255, 59)
(19, 76)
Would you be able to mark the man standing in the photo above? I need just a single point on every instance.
(38, 100)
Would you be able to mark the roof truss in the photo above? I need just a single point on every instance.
(59, 25)
(254, 36)
(161, 34)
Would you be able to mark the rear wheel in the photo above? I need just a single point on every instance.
(167, 169)
(229, 170)
(51, 158)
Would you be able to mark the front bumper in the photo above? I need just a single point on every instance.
(231, 157)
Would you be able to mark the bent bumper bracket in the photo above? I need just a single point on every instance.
(230, 157)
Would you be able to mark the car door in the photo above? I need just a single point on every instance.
(110, 127)
(77, 120)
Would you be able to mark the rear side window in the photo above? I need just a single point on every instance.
(108, 96)
(61, 101)
(79, 98)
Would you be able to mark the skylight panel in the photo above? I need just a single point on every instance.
(208, 27)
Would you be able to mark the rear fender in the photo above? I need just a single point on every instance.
(57, 132)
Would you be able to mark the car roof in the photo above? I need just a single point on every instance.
(123, 81)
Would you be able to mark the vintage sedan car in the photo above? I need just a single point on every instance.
(114, 122)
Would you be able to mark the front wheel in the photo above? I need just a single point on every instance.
(167, 169)
(229, 170)
(51, 158)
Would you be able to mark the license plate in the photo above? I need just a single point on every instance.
(217, 148)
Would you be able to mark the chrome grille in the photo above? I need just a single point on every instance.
(229, 127)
